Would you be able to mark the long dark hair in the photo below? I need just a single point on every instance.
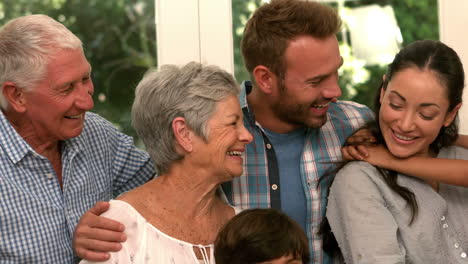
(446, 65)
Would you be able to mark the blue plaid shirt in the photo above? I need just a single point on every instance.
(259, 186)
(37, 218)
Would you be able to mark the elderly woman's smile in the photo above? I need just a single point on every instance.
(227, 138)
(192, 125)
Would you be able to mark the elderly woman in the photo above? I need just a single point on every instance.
(191, 123)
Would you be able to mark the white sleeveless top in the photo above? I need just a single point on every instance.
(147, 244)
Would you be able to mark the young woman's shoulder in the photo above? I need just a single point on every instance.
(358, 180)
(454, 152)
(357, 173)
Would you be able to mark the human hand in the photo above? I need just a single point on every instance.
(355, 145)
(377, 155)
(96, 235)
(361, 137)
(354, 152)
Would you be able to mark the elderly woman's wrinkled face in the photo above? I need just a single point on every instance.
(223, 152)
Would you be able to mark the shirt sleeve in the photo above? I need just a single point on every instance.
(364, 228)
(130, 166)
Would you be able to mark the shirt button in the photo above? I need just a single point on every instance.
(274, 187)
(49, 176)
(463, 255)
(444, 226)
(442, 218)
(456, 245)
(268, 146)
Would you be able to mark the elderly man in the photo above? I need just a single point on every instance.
(56, 159)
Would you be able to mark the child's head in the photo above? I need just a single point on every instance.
(261, 236)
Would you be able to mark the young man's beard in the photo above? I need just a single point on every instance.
(294, 113)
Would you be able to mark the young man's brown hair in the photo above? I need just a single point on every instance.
(273, 25)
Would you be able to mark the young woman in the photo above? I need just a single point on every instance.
(380, 216)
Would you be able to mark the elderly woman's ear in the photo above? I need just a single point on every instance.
(183, 135)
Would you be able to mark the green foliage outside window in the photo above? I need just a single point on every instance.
(119, 40)
(417, 19)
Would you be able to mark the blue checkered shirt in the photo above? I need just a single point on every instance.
(37, 218)
(259, 186)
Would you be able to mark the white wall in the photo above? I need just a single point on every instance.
(453, 26)
(195, 30)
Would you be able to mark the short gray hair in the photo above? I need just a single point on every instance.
(27, 44)
(191, 92)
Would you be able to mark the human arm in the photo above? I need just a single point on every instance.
(363, 226)
(131, 167)
(126, 166)
(449, 171)
(95, 236)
